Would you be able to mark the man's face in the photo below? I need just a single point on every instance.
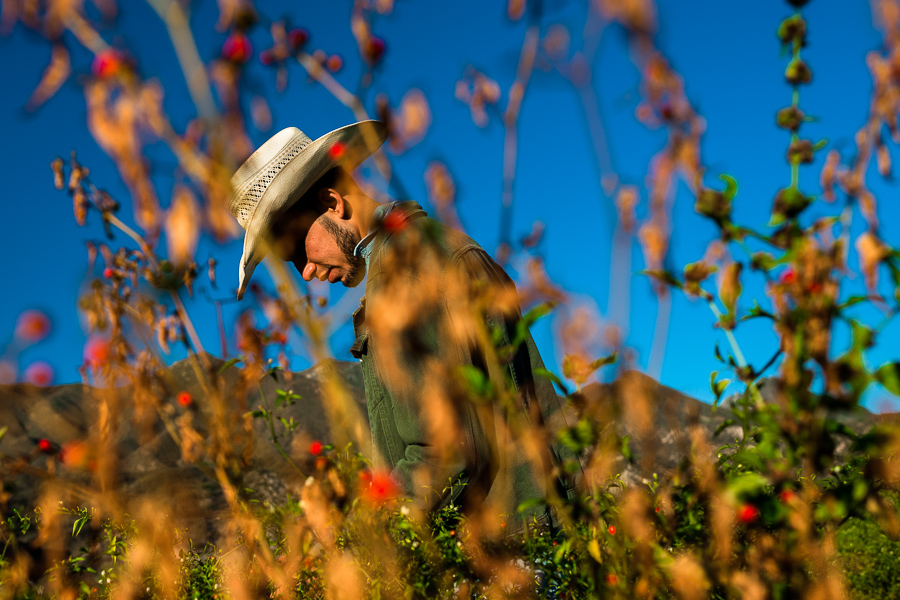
(329, 253)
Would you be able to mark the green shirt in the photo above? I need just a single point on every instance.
(436, 310)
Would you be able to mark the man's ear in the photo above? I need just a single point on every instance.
(331, 199)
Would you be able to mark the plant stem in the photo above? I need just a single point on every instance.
(271, 423)
(738, 355)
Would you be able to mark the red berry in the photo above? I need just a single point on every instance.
(657, 509)
(74, 454)
(315, 448)
(39, 373)
(393, 222)
(185, 399)
(375, 49)
(96, 352)
(787, 495)
(747, 513)
(336, 152)
(611, 579)
(237, 48)
(612, 530)
(108, 272)
(382, 487)
(788, 276)
(106, 63)
(297, 37)
(334, 63)
(321, 463)
(45, 446)
(32, 326)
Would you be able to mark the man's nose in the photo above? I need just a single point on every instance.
(309, 271)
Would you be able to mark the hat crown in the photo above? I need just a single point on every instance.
(253, 178)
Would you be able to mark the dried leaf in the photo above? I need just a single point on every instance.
(516, 9)
(182, 226)
(56, 74)
(871, 252)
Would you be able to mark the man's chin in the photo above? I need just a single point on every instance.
(358, 278)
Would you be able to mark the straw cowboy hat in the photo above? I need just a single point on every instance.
(281, 171)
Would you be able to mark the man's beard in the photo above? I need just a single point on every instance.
(347, 240)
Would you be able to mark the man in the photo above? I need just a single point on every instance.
(456, 412)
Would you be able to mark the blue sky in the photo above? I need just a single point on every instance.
(726, 51)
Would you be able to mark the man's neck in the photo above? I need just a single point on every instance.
(363, 209)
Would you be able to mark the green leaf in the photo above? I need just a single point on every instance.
(603, 361)
(731, 186)
(748, 484)
(755, 312)
(529, 504)
(888, 375)
(662, 276)
(723, 426)
(851, 301)
(476, 381)
(626, 448)
(230, 363)
(720, 387)
(553, 377)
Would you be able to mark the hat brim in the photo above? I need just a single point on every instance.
(347, 147)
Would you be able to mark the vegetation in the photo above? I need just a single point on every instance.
(794, 503)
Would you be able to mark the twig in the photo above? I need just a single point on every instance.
(660, 333)
(173, 15)
(348, 99)
(738, 355)
(510, 123)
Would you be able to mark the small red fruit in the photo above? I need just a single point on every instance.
(32, 326)
(39, 373)
(612, 530)
(611, 579)
(74, 455)
(321, 463)
(45, 446)
(96, 352)
(334, 63)
(237, 48)
(106, 63)
(382, 487)
(336, 152)
(787, 495)
(375, 49)
(788, 276)
(185, 399)
(657, 509)
(315, 448)
(108, 273)
(297, 37)
(747, 513)
(393, 222)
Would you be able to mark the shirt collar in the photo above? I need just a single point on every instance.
(364, 247)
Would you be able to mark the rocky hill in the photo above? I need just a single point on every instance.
(153, 463)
